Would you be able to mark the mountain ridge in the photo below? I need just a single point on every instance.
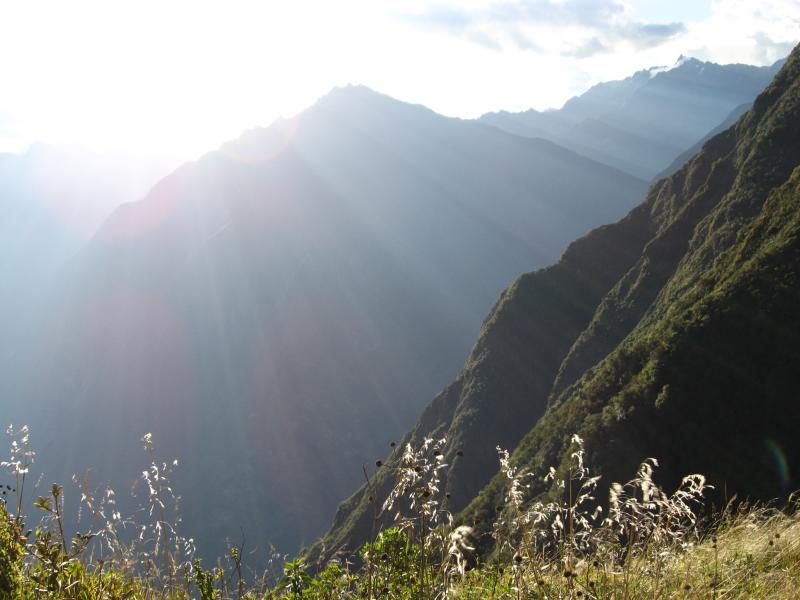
(644, 122)
(708, 245)
(774, 119)
(269, 300)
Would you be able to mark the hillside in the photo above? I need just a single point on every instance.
(708, 373)
(643, 123)
(277, 310)
(671, 333)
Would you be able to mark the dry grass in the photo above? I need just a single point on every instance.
(649, 544)
(755, 554)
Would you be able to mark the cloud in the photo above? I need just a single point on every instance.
(603, 24)
(768, 50)
(566, 12)
(522, 41)
(446, 18)
(648, 35)
(745, 31)
(588, 48)
(484, 39)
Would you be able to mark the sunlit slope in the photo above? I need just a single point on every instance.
(278, 310)
(708, 377)
(671, 333)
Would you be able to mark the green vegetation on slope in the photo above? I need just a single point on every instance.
(503, 388)
(709, 376)
(676, 335)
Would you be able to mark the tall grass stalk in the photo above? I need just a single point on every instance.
(640, 542)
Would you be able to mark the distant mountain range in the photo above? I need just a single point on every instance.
(672, 333)
(277, 310)
(643, 123)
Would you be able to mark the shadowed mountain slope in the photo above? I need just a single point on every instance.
(682, 345)
(276, 311)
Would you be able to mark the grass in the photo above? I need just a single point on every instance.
(641, 543)
(754, 553)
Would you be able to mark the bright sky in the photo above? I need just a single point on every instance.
(178, 77)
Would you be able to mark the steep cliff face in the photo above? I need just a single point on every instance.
(504, 386)
(677, 204)
(708, 377)
(672, 333)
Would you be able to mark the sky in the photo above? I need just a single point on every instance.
(178, 77)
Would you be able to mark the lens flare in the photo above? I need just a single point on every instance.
(780, 462)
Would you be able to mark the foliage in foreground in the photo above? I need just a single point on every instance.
(641, 543)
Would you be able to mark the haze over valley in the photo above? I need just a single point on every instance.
(376, 263)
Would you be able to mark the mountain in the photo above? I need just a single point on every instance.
(52, 200)
(684, 157)
(642, 123)
(671, 333)
(275, 312)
